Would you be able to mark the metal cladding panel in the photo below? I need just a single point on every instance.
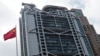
(32, 41)
(21, 37)
(30, 21)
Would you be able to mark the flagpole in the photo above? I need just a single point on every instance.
(16, 43)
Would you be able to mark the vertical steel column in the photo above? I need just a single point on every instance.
(71, 27)
(41, 37)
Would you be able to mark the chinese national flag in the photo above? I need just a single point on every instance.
(10, 34)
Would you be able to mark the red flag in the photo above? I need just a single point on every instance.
(10, 34)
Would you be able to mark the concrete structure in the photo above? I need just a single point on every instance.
(98, 39)
(52, 31)
(89, 31)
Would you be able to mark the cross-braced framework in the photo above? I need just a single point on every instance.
(57, 31)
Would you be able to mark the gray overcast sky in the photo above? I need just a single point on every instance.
(9, 15)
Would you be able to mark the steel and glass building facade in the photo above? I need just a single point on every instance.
(52, 31)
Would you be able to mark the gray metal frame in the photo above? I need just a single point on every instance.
(43, 51)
